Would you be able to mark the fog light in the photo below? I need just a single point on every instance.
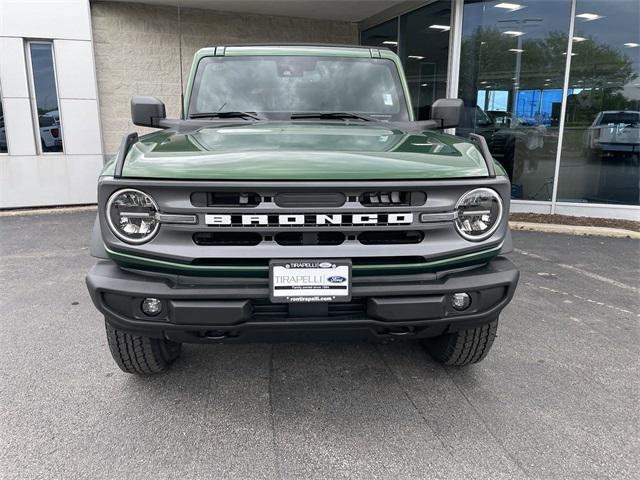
(460, 301)
(151, 306)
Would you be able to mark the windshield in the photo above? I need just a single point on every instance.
(298, 84)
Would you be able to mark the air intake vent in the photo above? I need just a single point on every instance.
(309, 238)
(232, 262)
(225, 199)
(404, 260)
(401, 199)
(265, 310)
(390, 237)
(309, 200)
(227, 238)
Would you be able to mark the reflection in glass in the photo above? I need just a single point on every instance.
(46, 96)
(3, 132)
(511, 78)
(424, 50)
(281, 85)
(599, 161)
(384, 35)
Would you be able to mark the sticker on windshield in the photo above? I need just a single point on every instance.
(387, 99)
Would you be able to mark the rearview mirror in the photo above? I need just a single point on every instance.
(447, 112)
(147, 111)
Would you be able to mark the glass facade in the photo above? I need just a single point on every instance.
(3, 132)
(45, 96)
(421, 39)
(383, 35)
(513, 76)
(424, 50)
(599, 161)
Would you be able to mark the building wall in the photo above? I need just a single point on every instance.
(137, 50)
(26, 177)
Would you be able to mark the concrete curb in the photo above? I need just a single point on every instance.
(574, 230)
(47, 211)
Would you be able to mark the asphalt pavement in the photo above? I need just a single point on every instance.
(557, 397)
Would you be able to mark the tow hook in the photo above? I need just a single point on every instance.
(400, 331)
(215, 334)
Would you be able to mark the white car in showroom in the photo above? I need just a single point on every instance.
(615, 131)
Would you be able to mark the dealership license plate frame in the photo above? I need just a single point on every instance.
(326, 292)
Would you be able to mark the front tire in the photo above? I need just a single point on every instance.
(463, 347)
(141, 355)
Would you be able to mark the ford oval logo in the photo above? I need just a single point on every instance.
(325, 265)
(337, 279)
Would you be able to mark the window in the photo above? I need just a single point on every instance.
(424, 50)
(512, 70)
(384, 35)
(45, 96)
(3, 131)
(287, 84)
(601, 142)
(423, 46)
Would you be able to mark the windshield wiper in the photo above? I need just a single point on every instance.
(333, 115)
(252, 115)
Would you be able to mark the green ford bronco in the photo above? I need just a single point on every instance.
(297, 198)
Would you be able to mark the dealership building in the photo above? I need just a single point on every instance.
(553, 85)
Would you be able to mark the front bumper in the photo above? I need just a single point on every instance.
(216, 309)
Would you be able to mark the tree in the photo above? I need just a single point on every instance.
(489, 60)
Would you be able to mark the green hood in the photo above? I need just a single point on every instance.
(301, 151)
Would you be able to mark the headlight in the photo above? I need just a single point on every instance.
(131, 215)
(478, 213)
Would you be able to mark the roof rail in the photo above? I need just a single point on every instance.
(300, 44)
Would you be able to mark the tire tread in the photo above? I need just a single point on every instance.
(140, 355)
(465, 346)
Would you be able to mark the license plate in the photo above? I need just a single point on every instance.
(305, 281)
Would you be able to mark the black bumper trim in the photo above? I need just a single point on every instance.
(411, 305)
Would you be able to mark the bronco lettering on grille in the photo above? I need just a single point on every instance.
(235, 220)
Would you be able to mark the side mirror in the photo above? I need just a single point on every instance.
(447, 112)
(147, 111)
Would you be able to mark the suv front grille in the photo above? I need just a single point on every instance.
(312, 217)
(240, 226)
